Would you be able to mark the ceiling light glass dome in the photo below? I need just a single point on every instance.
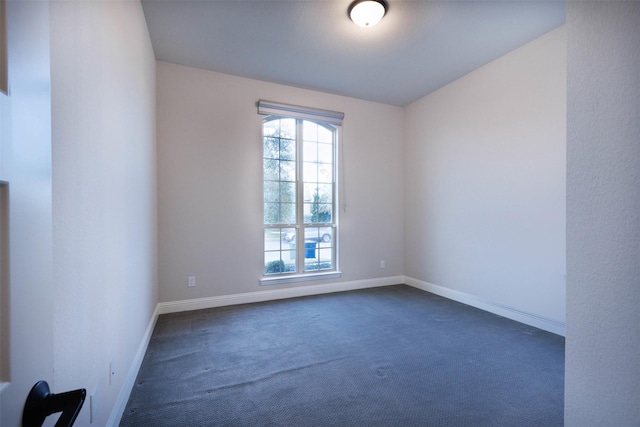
(367, 13)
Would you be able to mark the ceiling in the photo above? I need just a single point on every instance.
(418, 47)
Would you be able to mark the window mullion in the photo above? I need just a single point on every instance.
(300, 231)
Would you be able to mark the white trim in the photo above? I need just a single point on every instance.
(275, 294)
(279, 280)
(531, 319)
(123, 397)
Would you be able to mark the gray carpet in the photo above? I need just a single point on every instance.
(391, 356)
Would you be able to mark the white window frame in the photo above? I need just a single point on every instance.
(329, 119)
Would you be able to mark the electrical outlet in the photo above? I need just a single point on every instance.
(382, 264)
(192, 281)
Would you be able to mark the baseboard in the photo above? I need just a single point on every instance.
(275, 294)
(127, 386)
(530, 319)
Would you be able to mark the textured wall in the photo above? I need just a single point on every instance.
(210, 182)
(485, 181)
(104, 194)
(603, 215)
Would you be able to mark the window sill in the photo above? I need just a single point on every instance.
(279, 280)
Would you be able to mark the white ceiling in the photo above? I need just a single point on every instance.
(418, 47)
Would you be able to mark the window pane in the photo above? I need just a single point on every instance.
(272, 263)
(271, 191)
(325, 235)
(288, 237)
(272, 239)
(314, 192)
(278, 263)
(309, 191)
(271, 128)
(280, 254)
(311, 234)
(323, 260)
(325, 135)
(288, 192)
(287, 170)
(317, 213)
(325, 193)
(310, 150)
(289, 258)
(325, 173)
(307, 213)
(320, 235)
(287, 213)
(310, 172)
(325, 153)
(271, 213)
(271, 169)
(288, 128)
(271, 147)
(287, 149)
(322, 212)
(310, 131)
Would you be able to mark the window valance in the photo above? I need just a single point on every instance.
(298, 112)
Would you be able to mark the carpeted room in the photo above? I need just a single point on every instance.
(459, 193)
(94, 112)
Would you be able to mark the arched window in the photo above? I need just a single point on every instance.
(299, 175)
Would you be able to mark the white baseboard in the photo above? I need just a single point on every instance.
(127, 386)
(530, 319)
(275, 294)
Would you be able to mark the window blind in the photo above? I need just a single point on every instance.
(298, 112)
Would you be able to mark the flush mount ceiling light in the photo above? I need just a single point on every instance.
(367, 13)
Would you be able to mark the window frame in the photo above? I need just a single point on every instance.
(301, 274)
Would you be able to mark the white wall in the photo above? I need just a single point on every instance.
(485, 183)
(26, 164)
(210, 183)
(104, 195)
(603, 215)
